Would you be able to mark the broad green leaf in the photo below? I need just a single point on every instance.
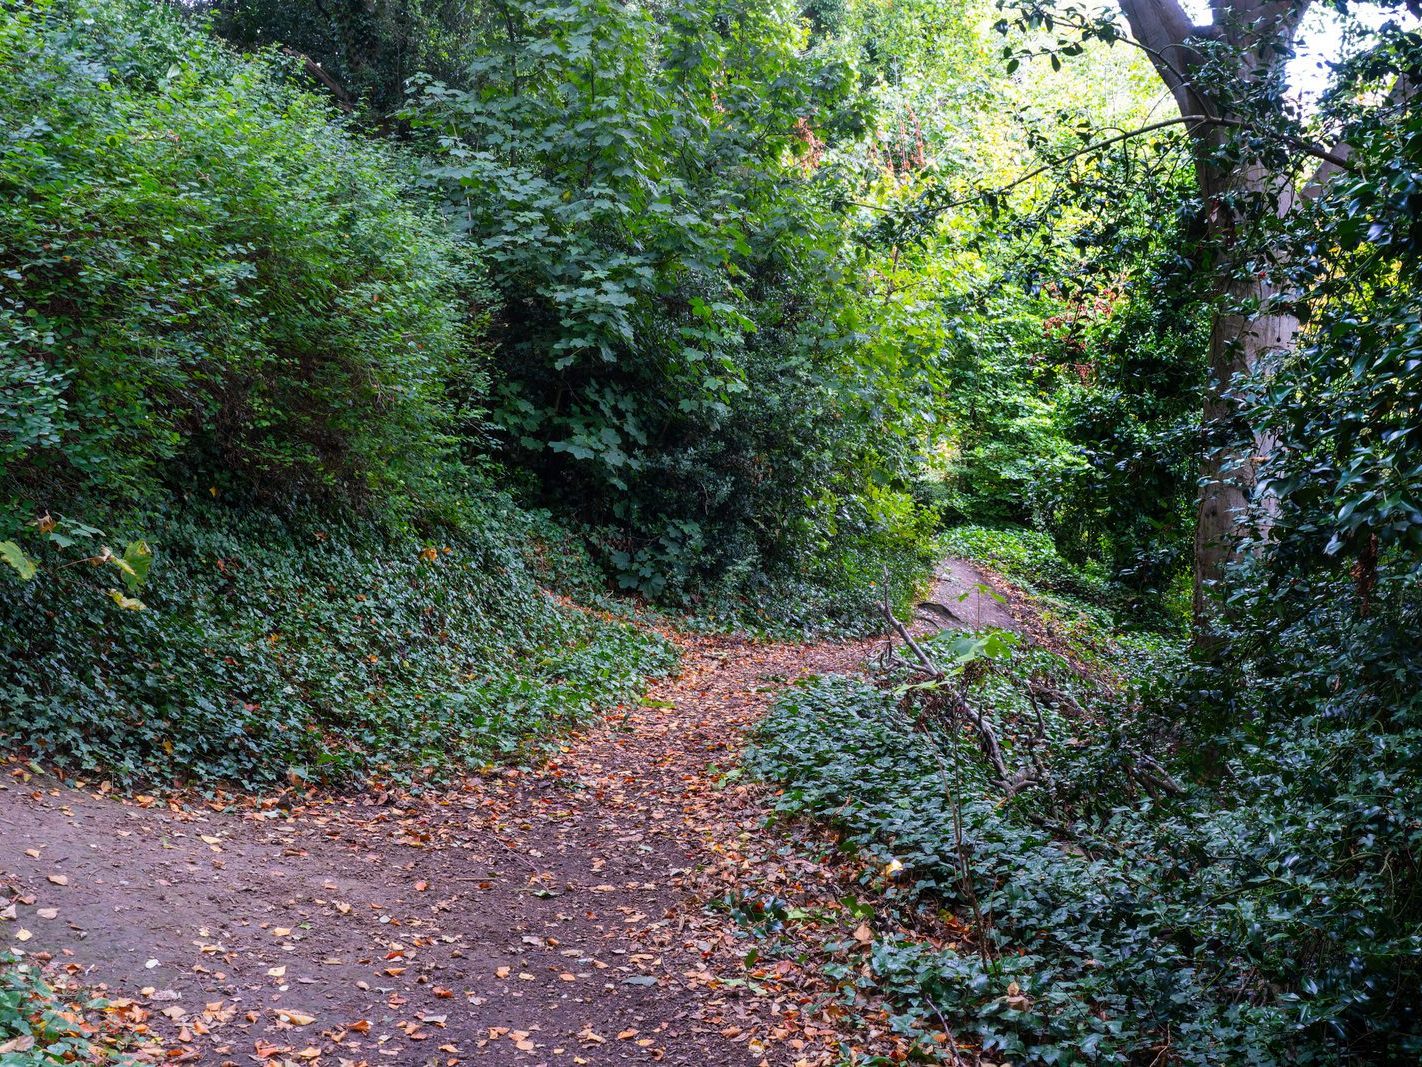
(137, 558)
(11, 554)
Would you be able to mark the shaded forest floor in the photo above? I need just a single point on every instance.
(557, 916)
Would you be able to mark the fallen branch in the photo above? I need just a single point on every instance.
(343, 98)
(986, 734)
(903, 631)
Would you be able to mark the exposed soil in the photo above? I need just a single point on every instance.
(548, 917)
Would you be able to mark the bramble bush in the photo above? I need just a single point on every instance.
(206, 281)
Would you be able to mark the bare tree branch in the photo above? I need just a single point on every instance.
(1163, 28)
(343, 99)
(1339, 161)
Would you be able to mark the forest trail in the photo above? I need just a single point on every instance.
(546, 917)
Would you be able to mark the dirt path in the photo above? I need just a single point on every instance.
(544, 918)
(521, 918)
(963, 596)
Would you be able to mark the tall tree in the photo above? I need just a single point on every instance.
(1257, 39)
(1229, 80)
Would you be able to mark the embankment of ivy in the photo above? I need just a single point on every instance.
(308, 649)
(1260, 921)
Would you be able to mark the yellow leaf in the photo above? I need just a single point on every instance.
(128, 603)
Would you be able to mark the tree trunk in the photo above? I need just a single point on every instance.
(1242, 341)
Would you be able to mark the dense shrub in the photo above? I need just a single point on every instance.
(1128, 407)
(206, 282)
(676, 360)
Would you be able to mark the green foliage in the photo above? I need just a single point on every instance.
(671, 363)
(1077, 409)
(1129, 387)
(1028, 557)
(366, 51)
(205, 282)
(211, 289)
(1271, 921)
(1347, 470)
(308, 649)
(42, 1025)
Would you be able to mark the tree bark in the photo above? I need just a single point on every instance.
(1246, 336)
(1243, 341)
